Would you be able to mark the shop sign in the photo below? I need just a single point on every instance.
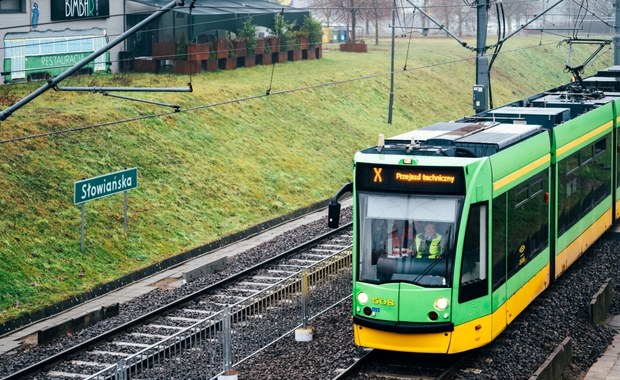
(63, 10)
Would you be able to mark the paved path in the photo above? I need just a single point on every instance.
(608, 366)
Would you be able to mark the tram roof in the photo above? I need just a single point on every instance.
(489, 132)
(482, 138)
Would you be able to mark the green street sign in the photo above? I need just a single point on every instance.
(104, 185)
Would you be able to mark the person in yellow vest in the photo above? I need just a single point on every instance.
(428, 243)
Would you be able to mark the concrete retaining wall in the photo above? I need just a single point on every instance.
(555, 364)
(601, 303)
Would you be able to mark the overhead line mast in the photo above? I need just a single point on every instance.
(481, 87)
(53, 82)
(481, 90)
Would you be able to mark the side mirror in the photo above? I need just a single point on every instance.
(333, 215)
(333, 211)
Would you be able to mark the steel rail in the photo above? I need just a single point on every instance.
(81, 347)
(359, 363)
(373, 354)
(456, 366)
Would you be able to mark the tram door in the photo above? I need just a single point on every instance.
(498, 265)
(473, 289)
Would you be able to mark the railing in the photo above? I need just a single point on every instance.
(215, 344)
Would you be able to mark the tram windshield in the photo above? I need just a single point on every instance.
(407, 238)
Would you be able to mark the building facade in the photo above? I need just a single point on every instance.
(38, 23)
(42, 38)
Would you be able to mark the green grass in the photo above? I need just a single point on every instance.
(210, 172)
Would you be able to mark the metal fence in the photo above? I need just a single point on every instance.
(215, 344)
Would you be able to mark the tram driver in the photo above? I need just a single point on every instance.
(428, 243)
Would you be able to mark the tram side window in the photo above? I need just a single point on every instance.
(473, 283)
(499, 241)
(584, 182)
(528, 224)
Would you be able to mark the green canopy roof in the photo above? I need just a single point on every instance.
(229, 15)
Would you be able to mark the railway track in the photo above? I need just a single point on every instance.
(161, 325)
(379, 365)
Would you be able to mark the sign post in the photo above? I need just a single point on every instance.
(82, 228)
(98, 187)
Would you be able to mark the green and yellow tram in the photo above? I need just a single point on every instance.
(41, 54)
(458, 226)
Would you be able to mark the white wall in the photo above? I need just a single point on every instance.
(114, 24)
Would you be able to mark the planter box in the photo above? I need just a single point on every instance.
(354, 47)
(221, 49)
(250, 61)
(212, 64)
(304, 43)
(164, 50)
(241, 48)
(186, 67)
(227, 63)
(198, 52)
(144, 65)
(273, 44)
(294, 55)
(260, 47)
(266, 59)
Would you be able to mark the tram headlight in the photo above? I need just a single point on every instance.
(441, 303)
(362, 298)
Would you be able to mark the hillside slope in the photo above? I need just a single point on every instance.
(222, 164)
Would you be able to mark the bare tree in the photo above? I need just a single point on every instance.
(449, 12)
(375, 11)
(603, 8)
(517, 12)
(347, 10)
(326, 9)
(590, 16)
(353, 8)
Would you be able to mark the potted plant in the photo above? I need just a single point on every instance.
(248, 34)
(212, 61)
(182, 48)
(313, 27)
(298, 37)
(282, 30)
(231, 61)
(273, 43)
(267, 57)
(181, 64)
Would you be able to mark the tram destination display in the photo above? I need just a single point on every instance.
(440, 180)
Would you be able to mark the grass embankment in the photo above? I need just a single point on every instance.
(207, 173)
